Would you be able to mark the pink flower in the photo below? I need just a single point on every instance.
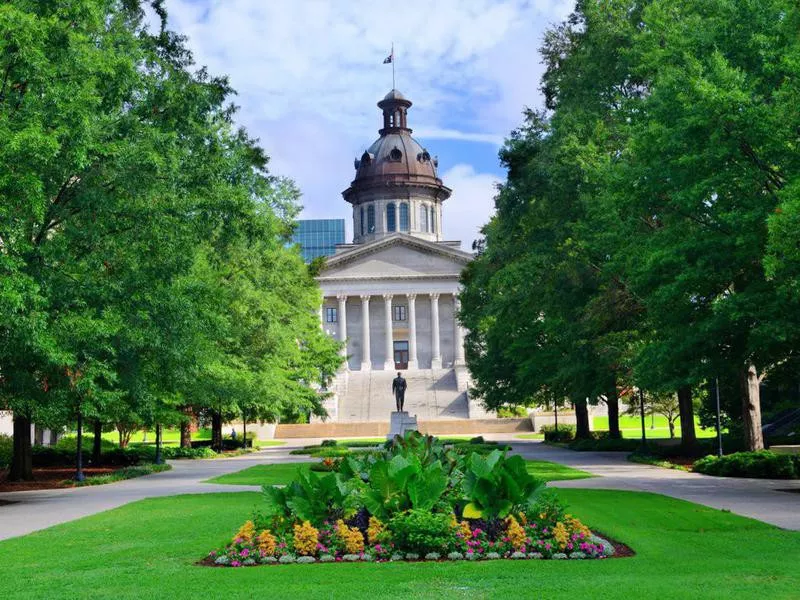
(236, 563)
(244, 552)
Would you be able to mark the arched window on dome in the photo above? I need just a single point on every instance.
(391, 217)
(370, 219)
(423, 218)
(361, 221)
(433, 219)
(404, 216)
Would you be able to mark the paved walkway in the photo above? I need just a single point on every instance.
(755, 498)
(34, 510)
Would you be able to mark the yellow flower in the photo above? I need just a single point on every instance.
(266, 542)
(374, 530)
(246, 532)
(305, 539)
(515, 533)
(574, 526)
(351, 537)
(466, 530)
(561, 535)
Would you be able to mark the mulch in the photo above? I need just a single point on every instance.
(49, 478)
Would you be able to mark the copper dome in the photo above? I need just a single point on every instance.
(395, 158)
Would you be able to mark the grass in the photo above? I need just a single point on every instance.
(148, 548)
(279, 474)
(654, 427)
(173, 436)
(282, 474)
(550, 471)
(530, 436)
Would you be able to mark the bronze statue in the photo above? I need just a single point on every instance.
(399, 391)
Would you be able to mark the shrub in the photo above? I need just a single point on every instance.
(6, 450)
(564, 433)
(329, 443)
(421, 532)
(763, 464)
(512, 412)
(70, 443)
(179, 452)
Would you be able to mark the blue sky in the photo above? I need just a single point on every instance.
(309, 73)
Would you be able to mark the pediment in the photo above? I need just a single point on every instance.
(397, 256)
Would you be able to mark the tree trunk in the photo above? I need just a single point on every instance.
(612, 401)
(671, 429)
(582, 420)
(216, 431)
(158, 460)
(686, 415)
(97, 446)
(751, 408)
(79, 450)
(186, 434)
(244, 431)
(22, 458)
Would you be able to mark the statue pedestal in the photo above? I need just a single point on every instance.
(400, 422)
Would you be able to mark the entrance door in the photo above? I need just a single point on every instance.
(401, 355)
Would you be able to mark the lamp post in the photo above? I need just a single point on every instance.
(158, 460)
(79, 476)
(641, 412)
(719, 429)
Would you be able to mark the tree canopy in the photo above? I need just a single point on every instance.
(644, 236)
(144, 259)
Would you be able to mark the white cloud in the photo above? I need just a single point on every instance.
(471, 204)
(309, 72)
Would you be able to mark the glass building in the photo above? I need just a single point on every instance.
(318, 237)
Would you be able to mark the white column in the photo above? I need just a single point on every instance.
(412, 331)
(459, 333)
(436, 354)
(320, 314)
(388, 364)
(342, 318)
(366, 353)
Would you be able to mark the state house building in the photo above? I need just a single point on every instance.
(392, 294)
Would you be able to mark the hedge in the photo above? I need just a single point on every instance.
(763, 464)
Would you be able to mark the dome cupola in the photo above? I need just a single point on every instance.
(396, 186)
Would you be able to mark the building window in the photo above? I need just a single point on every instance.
(371, 219)
(404, 216)
(433, 219)
(331, 315)
(399, 312)
(391, 217)
(423, 218)
(361, 221)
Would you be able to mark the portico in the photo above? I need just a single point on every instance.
(395, 325)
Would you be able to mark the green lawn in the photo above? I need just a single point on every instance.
(284, 473)
(148, 549)
(530, 436)
(263, 474)
(654, 427)
(173, 436)
(550, 471)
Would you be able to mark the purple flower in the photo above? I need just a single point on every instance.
(244, 553)
(236, 563)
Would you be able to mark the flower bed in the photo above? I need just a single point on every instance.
(415, 500)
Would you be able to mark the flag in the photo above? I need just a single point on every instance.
(389, 59)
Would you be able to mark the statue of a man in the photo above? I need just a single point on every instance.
(399, 391)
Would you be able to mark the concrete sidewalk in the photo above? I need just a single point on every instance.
(755, 498)
(34, 510)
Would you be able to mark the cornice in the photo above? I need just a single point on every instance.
(397, 239)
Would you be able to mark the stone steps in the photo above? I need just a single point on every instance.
(430, 394)
(381, 428)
